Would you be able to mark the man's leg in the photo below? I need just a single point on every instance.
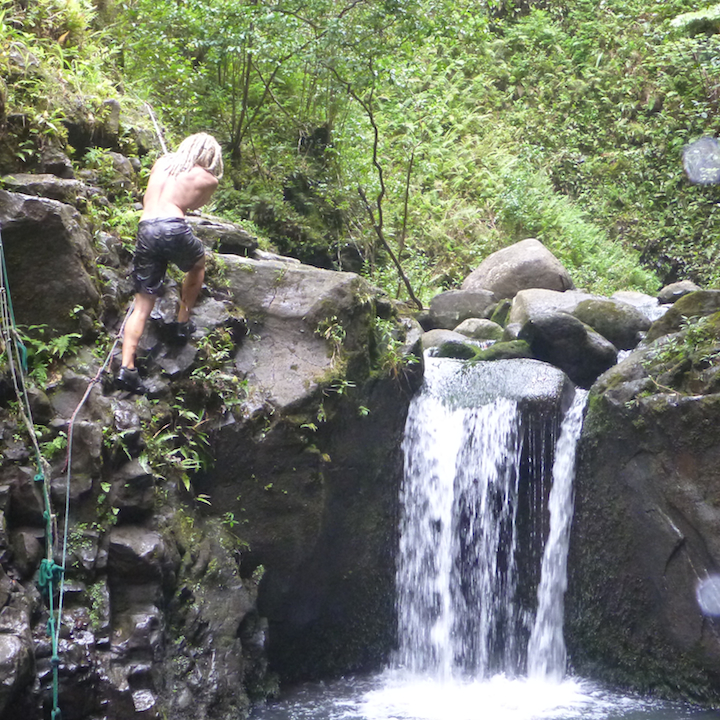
(135, 326)
(192, 284)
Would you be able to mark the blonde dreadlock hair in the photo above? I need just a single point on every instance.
(199, 149)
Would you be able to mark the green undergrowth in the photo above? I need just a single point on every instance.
(465, 127)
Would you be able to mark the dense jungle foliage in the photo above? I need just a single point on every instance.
(429, 131)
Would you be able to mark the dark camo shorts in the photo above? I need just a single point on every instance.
(160, 241)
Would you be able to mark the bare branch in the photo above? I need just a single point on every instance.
(381, 236)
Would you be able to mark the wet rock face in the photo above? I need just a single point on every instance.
(318, 509)
(50, 261)
(569, 344)
(645, 527)
(161, 613)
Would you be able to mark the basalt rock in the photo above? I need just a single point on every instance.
(50, 261)
(645, 528)
(527, 264)
(298, 318)
(567, 343)
(693, 305)
(16, 651)
(531, 303)
(480, 329)
(674, 291)
(223, 237)
(449, 309)
(65, 190)
(620, 323)
(435, 338)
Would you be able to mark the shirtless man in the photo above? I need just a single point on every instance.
(181, 181)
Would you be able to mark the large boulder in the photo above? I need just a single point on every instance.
(617, 321)
(480, 329)
(50, 261)
(527, 264)
(436, 338)
(645, 528)
(65, 190)
(449, 309)
(620, 323)
(222, 236)
(298, 318)
(567, 343)
(532, 303)
(674, 291)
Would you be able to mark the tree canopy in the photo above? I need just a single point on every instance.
(412, 134)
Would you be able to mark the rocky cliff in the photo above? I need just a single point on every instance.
(244, 511)
(645, 533)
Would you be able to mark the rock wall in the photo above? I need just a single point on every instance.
(242, 514)
(645, 532)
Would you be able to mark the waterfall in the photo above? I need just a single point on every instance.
(546, 649)
(473, 516)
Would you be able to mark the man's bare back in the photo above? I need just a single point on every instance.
(173, 195)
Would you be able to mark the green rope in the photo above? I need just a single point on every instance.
(49, 573)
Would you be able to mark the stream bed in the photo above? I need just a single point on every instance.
(394, 695)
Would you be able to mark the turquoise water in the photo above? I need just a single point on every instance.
(395, 696)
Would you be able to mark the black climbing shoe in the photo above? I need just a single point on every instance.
(129, 379)
(184, 331)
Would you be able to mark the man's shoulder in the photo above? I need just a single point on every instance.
(202, 177)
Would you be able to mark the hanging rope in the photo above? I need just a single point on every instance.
(16, 352)
(49, 573)
(68, 458)
(157, 129)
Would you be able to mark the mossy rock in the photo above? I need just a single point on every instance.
(697, 304)
(502, 312)
(705, 21)
(511, 350)
(457, 350)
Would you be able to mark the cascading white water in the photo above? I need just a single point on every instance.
(458, 497)
(547, 656)
(458, 570)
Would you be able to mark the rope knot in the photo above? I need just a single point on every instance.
(40, 477)
(49, 573)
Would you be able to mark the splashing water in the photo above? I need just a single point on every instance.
(460, 559)
(546, 650)
(459, 505)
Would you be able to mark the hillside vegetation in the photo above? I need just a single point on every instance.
(434, 131)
